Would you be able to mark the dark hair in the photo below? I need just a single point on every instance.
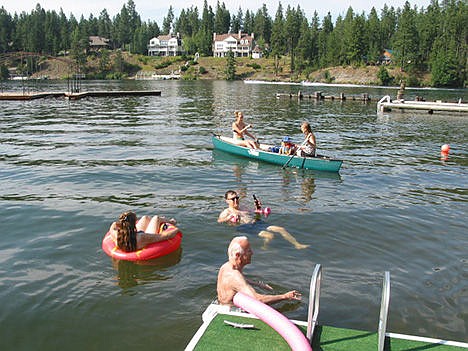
(229, 192)
(126, 232)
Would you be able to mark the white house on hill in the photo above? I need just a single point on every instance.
(240, 44)
(165, 45)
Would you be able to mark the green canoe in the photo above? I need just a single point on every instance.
(319, 163)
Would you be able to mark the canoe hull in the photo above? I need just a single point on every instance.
(314, 163)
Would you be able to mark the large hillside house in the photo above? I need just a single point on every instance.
(165, 45)
(240, 44)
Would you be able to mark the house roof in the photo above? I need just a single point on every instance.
(165, 37)
(388, 52)
(237, 37)
(257, 49)
(98, 41)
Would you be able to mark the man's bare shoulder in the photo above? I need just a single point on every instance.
(227, 271)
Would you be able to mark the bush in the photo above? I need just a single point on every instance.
(115, 76)
(327, 76)
(412, 81)
(163, 64)
(384, 77)
(143, 59)
(255, 66)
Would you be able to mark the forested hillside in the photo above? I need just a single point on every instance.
(432, 39)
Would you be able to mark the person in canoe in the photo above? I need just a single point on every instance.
(308, 146)
(240, 130)
(235, 215)
(131, 234)
(231, 279)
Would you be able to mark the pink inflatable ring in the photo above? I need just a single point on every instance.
(154, 250)
(293, 336)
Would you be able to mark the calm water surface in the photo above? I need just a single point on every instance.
(69, 168)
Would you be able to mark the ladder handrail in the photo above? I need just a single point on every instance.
(314, 301)
(384, 310)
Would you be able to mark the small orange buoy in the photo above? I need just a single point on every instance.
(445, 149)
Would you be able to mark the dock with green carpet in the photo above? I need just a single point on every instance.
(231, 328)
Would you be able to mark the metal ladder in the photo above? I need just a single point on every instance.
(314, 304)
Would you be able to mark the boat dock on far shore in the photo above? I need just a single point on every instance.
(76, 95)
(386, 104)
(318, 95)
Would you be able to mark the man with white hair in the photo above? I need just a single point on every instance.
(231, 280)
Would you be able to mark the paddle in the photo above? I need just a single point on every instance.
(294, 154)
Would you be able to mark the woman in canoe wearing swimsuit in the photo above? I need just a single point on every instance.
(309, 146)
(239, 129)
(131, 234)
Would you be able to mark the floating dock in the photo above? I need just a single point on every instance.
(319, 96)
(29, 96)
(386, 105)
(77, 95)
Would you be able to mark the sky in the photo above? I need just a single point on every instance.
(156, 10)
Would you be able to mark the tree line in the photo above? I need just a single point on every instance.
(432, 39)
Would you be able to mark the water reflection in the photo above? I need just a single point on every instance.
(289, 176)
(131, 274)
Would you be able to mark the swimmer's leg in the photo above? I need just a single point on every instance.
(267, 236)
(287, 236)
(142, 223)
(154, 225)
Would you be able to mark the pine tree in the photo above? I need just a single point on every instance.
(236, 21)
(373, 37)
(262, 24)
(222, 19)
(278, 38)
(292, 28)
(406, 39)
(168, 21)
(6, 28)
(230, 66)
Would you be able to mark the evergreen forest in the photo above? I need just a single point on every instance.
(432, 39)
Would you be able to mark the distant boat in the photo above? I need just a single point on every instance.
(19, 78)
(319, 163)
(171, 76)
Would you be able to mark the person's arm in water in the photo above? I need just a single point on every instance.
(241, 285)
(261, 285)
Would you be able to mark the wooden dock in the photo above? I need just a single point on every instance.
(77, 95)
(386, 105)
(319, 96)
(29, 95)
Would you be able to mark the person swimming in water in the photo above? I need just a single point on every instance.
(234, 214)
(133, 234)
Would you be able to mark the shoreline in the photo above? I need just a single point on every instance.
(345, 85)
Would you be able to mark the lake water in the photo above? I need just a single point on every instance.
(69, 168)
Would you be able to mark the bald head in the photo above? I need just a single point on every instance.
(237, 246)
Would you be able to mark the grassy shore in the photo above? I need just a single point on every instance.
(214, 69)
